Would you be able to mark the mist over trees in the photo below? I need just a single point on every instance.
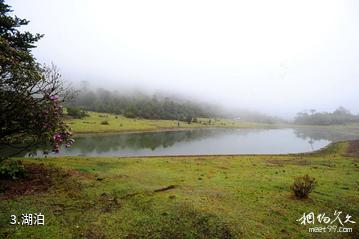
(139, 105)
(339, 116)
(252, 116)
(155, 106)
(159, 106)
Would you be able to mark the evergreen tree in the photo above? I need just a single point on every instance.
(30, 94)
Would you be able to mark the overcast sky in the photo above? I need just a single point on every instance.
(275, 56)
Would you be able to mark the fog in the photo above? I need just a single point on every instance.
(277, 57)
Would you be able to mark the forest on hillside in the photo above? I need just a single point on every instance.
(156, 106)
(139, 105)
(159, 106)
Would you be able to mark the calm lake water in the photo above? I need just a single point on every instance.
(202, 142)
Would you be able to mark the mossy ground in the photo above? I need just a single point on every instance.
(94, 123)
(212, 196)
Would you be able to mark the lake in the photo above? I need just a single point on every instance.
(202, 142)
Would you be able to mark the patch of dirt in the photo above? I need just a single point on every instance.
(223, 167)
(353, 149)
(93, 234)
(38, 179)
(108, 201)
(76, 173)
(305, 199)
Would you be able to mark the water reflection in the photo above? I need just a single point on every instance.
(333, 135)
(136, 141)
(205, 141)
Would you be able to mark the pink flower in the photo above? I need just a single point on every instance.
(54, 97)
(57, 137)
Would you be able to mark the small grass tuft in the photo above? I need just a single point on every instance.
(303, 185)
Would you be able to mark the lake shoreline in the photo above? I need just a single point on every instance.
(192, 142)
(208, 156)
(122, 125)
(168, 130)
(169, 192)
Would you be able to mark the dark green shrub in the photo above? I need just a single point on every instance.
(76, 113)
(105, 122)
(188, 119)
(129, 114)
(303, 185)
(11, 169)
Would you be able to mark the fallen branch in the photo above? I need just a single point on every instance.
(129, 195)
(155, 191)
(165, 188)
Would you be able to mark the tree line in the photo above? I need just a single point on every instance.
(340, 116)
(137, 105)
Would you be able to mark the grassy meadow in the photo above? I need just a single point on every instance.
(110, 123)
(245, 196)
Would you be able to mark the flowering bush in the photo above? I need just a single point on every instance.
(30, 94)
(37, 116)
(54, 125)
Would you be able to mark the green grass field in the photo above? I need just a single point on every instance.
(245, 196)
(93, 124)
